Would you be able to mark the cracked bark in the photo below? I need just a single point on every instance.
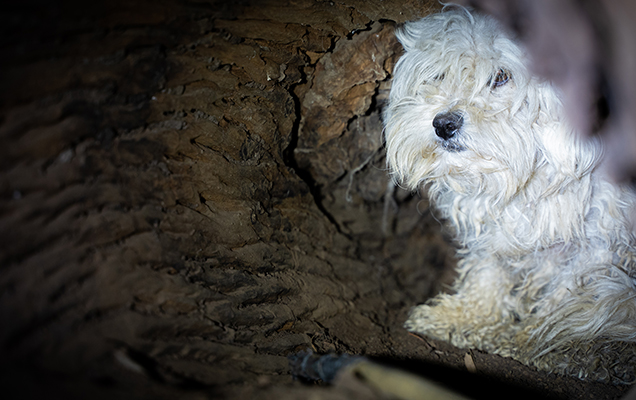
(190, 191)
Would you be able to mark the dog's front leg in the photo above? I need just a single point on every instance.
(479, 315)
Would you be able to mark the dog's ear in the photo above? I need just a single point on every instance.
(434, 28)
(409, 34)
(571, 155)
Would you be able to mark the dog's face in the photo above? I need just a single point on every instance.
(465, 112)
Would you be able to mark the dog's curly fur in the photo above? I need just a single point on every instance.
(547, 270)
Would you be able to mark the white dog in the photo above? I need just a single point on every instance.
(547, 270)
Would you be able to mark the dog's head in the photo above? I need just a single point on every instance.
(465, 112)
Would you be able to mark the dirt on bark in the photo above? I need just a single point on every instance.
(191, 191)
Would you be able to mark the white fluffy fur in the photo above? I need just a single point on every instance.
(547, 268)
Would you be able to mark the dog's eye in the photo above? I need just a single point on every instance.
(439, 77)
(500, 79)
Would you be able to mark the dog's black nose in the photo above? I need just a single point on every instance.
(447, 124)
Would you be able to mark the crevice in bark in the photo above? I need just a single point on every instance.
(290, 159)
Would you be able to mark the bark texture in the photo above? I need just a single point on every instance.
(190, 191)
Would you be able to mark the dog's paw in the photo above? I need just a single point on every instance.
(439, 322)
(453, 321)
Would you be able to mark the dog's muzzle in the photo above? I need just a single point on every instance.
(447, 125)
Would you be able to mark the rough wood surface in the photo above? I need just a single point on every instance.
(190, 191)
